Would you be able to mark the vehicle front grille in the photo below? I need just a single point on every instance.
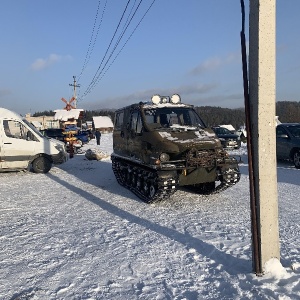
(204, 158)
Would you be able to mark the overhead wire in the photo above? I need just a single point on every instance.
(93, 39)
(93, 79)
(104, 65)
(125, 27)
(123, 45)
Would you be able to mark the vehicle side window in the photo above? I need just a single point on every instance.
(136, 122)
(16, 130)
(295, 131)
(7, 130)
(280, 131)
(119, 120)
(139, 125)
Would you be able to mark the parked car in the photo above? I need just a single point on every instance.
(82, 136)
(89, 132)
(58, 134)
(54, 133)
(227, 138)
(288, 142)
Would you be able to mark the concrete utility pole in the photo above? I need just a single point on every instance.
(74, 94)
(262, 76)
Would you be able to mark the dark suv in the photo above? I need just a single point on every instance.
(227, 138)
(288, 142)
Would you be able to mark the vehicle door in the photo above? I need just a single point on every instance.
(283, 143)
(18, 145)
(135, 135)
(119, 141)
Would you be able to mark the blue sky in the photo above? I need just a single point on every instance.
(190, 47)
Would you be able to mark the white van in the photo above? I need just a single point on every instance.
(22, 146)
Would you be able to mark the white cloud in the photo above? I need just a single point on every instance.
(43, 63)
(185, 91)
(215, 63)
(5, 92)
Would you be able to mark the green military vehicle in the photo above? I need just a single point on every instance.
(162, 145)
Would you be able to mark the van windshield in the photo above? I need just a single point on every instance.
(33, 128)
(169, 117)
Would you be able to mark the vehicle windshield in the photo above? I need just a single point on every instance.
(33, 128)
(172, 117)
(294, 130)
(221, 130)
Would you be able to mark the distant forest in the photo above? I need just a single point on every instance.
(287, 111)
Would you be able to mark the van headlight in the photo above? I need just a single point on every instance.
(59, 147)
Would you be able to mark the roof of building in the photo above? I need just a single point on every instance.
(36, 124)
(65, 115)
(102, 122)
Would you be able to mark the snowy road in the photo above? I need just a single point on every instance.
(74, 233)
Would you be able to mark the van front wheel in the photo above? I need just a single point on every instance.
(41, 165)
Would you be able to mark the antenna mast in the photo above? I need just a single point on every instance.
(75, 86)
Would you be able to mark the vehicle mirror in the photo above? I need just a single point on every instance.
(283, 136)
(30, 136)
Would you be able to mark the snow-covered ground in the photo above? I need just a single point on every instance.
(74, 233)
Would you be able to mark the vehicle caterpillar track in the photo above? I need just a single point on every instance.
(161, 146)
(143, 181)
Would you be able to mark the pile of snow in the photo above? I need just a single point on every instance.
(75, 233)
(273, 268)
(95, 154)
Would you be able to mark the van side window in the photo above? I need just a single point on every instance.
(16, 130)
(7, 129)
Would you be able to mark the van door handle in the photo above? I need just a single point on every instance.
(7, 143)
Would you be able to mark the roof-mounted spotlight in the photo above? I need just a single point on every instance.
(156, 99)
(175, 99)
(165, 99)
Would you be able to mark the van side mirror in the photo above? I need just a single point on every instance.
(30, 136)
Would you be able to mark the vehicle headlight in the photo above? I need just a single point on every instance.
(156, 99)
(175, 99)
(163, 157)
(59, 147)
(165, 100)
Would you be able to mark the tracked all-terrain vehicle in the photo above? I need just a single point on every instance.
(162, 145)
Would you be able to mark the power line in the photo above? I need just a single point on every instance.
(99, 78)
(104, 67)
(91, 46)
(93, 80)
(116, 45)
